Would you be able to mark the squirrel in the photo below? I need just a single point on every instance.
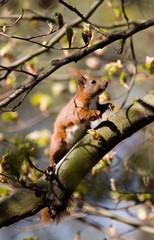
(74, 119)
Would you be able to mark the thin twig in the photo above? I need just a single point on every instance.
(133, 56)
(25, 185)
(30, 18)
(9, 70)
(42, 44)
(73, 9)
(106, 213)
(16, 21)
(33, 166)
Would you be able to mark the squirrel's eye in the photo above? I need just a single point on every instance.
(93, 81)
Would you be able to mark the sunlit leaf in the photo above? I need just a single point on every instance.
(86, 33)
(149, 64)
(10, 80)
(50, 24)
(123, 79)
(43, 101)
(7, 50)
(104, 97)
(113, 67)
(4, 192)
(10, 116)
(118, 13)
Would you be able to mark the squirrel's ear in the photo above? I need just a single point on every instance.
(79, 75)
(81, 80)
(75, 72)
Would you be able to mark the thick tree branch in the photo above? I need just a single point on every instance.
(78, 162)
(56, 64)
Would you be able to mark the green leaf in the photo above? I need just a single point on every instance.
(69, 34)
(87, 33)
(50, 26)
(118, 12)
(123, 79)
(10, 80)
(15, 163)
(59, 19)
(149, 64)
(43, 101)
(85, 38)
(113, 67)
(10, 116)
(4, 192)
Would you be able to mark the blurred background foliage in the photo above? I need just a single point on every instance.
(25, 133)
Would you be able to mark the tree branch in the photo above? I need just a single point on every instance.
(56, 64)
(78, 162)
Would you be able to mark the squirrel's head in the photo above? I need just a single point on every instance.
(90, 86)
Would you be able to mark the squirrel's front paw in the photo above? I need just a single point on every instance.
(97, 114)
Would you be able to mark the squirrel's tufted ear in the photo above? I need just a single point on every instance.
(79, 74)
(75, 72)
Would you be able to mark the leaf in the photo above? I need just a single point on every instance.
(118, 13)
(43, 101)
(87, 33)
(4, 192)
(85, 38)
(10, 116)
(113, 67)
(15, 165)
(149, 64)
(123, 79)
(50, 26)
(59, 19)
(69, 34)
(10, 80)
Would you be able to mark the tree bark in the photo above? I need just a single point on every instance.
(77, 163)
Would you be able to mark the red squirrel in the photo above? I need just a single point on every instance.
(74, 119)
